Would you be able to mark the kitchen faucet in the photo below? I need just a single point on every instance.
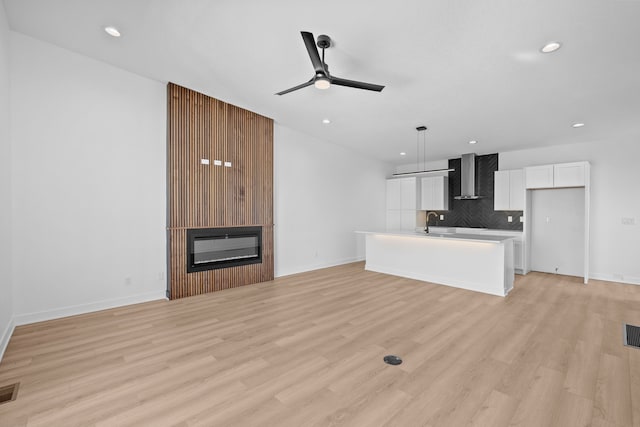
(426, 225)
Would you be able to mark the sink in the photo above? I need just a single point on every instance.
(437, 234)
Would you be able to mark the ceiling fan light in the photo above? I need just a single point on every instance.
(322, 83)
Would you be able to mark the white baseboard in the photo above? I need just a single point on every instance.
(24, 319)
(296, 270)
(619, 278)
(6, 336)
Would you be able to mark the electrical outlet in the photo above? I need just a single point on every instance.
(441, 217)
(628, 221)
(509, 218)
(521, 218)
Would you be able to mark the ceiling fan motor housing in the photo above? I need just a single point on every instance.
(324, 41)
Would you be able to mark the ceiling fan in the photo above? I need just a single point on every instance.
(322, 79)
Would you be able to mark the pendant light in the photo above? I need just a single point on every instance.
(422, 131)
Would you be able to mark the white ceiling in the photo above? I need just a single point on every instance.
(467, 69)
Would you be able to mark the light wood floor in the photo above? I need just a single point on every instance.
(307, 350)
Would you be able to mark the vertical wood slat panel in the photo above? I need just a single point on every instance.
(201, 196)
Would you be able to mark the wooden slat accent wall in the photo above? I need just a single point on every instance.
(208, 196)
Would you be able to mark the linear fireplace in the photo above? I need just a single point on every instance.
(212, 248)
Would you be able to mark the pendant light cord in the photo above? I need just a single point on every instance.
(418, 150)
(424, 149)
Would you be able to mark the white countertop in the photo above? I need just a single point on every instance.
(489, 238)
(474, 230)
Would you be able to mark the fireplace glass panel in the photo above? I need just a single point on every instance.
(223, 247)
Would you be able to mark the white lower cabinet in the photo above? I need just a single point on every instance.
(518, 255)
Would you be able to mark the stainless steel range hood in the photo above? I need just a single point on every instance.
(468, 178)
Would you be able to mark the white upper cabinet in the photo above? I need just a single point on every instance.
(509, 192)
(408, 193)
(516, 189)
(501, 191)
(394, 192)
(569, 175)
(435, 193)
(402, 193)
(557, 176)
(539, 176)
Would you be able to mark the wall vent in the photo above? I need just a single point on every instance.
(8, 393)
(632, 336)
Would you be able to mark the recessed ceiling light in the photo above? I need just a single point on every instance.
(550, 47)
(112, 31)
(577, 125)
(473, 142)
(326, 121)
(403, 153)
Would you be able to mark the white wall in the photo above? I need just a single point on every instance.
(614, 187)
(323, 193)
(88, 152)
(6, 297)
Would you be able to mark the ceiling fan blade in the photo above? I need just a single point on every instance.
(358, 85)
(309, 83)
(310, 43)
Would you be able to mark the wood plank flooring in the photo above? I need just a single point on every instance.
(306, 350)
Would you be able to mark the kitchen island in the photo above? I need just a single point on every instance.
(482, 263)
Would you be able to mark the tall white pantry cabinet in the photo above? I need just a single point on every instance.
(402, 203)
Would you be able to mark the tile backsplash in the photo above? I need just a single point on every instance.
(476, 213)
